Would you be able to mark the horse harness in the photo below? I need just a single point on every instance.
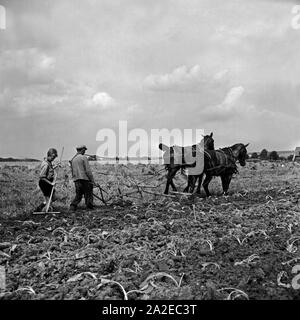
(229, 163)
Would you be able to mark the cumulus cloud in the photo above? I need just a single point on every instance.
(102, 100)
(232, 97)
(228, 107)
(25, 67)
(235, 35)
(208, 56)
(28, 81)
(184, 78)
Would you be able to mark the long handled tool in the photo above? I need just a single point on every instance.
(54, 181)
(52, 191)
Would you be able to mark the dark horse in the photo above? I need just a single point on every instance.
(220, 163)
(171, 153)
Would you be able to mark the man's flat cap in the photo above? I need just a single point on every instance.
(81, 147)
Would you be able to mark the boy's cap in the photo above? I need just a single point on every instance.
(51, 152)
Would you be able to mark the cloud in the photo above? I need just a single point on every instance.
(184, 78)
(232, 97)
(103, 100)
(229, 103)
(182, 65)
(28, 82)
(24, 67)
(56, 96)
(227, 108)
(253, 30)
(134, 108)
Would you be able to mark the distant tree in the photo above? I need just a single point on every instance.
(254, 155)
(264, 154)
(290, 157)
(274, 155)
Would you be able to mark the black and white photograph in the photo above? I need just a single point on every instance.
(149, 151)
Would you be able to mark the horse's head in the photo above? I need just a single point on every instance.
(240, 152)
(209, 143)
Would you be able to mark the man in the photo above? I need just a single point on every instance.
(46, 178)
(83, 179)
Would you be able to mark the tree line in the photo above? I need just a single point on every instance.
(273, 155)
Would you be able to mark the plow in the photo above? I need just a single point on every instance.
(121, 185)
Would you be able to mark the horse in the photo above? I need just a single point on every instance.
(220, 163)
(176, 157)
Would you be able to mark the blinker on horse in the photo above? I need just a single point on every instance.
(176, 158)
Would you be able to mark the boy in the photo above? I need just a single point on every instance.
(46, 178)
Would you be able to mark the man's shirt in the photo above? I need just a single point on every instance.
(81, 168)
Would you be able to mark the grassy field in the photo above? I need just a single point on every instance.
(143, 245)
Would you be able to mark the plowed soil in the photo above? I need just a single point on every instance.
(241, 246)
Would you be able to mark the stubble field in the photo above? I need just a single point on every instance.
(142, 245)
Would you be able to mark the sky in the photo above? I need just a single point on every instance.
(69, 68)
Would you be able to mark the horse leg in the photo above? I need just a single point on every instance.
(190, 183)
(199, 183)
(186, 189)
(173, 185)
(193, 184)
(168, 183)
(206, 183)
(170, 176)
(174, 171)
(225, 183)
